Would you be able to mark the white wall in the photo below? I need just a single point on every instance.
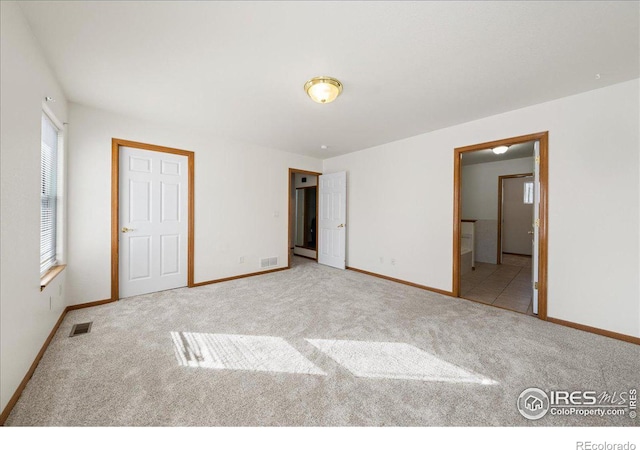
(312, 180)
(400, 203)
(27, 315)
(241, 199)
(480, 186)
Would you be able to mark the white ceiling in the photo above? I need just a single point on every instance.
(237, 68)
(516, 151)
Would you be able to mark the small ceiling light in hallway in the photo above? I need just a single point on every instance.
(323, 89)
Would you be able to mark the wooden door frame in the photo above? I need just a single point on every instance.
(115, 207)
(543, 229)
(501, 178)
(303, 172)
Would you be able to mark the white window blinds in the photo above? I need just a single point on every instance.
(48, 193)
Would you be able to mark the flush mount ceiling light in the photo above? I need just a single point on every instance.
(500, 150)
(323, 89)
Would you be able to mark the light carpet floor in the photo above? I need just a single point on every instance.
(313, 346)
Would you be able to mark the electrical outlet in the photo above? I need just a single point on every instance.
(393, 262)
(60, 290)
(241, 260)
(381, 260)
(276, 214)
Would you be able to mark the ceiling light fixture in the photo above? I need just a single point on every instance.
(323, 89)
(500, 150)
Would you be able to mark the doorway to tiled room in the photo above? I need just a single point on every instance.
(508, 283)
(500, 224)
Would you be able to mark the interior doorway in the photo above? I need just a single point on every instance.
(515, 217)
(152, 227)
(303, 214)
(481, 271)
(306, 217)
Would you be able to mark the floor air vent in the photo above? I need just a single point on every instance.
(268, 262)
(80, 328)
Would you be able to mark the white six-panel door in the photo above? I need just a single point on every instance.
(333, 219)
(535, 225)
(153, 221)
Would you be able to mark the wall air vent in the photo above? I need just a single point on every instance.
(80, 328)
(268, 262)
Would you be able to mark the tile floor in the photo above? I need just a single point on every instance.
(507, 285)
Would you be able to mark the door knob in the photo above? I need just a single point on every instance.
(127, 230)
(341, 225)
(530, 232)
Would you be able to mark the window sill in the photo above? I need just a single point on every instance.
(50, 275)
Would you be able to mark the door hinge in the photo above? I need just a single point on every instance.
(535, 285)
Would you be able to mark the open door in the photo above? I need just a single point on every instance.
(332, 220)
(537, 193)
(536, 224)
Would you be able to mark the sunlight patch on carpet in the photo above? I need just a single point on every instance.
(240, 352)
(394, 360)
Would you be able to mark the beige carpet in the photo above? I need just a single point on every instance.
(314, 346)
